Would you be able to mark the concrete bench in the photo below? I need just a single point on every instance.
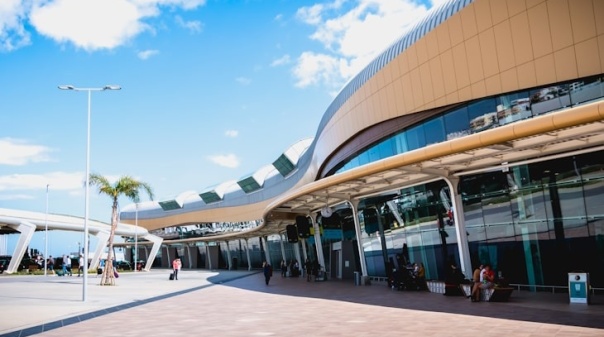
(497, 294)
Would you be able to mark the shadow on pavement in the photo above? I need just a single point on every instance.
(523, 305)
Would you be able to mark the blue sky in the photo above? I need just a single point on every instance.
(212, 90)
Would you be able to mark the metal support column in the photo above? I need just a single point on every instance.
(102, 239)
(157, 241)
(27, 230)
(357, 227)
(460, 226)
(318, 245)
(267, 254)
(282, 247)
(304, 250)
(247, 253)
(228, 251)
(297, 253)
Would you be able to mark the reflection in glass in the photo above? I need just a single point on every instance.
(415, 137)
(513, 107)
(434, 131)
(457, 123)
(585, 91)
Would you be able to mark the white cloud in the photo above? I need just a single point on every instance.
(351, 39)
(90, 25)
(228, 160)
(285, 59)
(145, 54)
(231, 133)
(12, 30)
(193, 27)
(18, 152)
(64, 181)
(243, 80)
(314, 68)
(278, 17)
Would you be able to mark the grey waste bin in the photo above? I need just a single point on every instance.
(357, 278)
(578, 287)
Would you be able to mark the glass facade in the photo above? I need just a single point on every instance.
(478, 116)
(533, 223)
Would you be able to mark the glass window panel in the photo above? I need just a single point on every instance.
(415, 137)
(363, 158)
(434, 131)
(500, 232)
(482, 115)
(457, 123)
(386, 148)
(549, 99)
(401, 143)
(585, 91)
(373, 153)
(592, 173)
(513, 107)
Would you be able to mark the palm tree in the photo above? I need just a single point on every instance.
(128, 187)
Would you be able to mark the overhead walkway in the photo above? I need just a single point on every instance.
(26, 223)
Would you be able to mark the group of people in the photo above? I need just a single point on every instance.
(293, 268)
(482, 278)
(66, 265)
(311, 269)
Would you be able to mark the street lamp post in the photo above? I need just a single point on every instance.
(46, 235)
(87, 193)
(136, 239)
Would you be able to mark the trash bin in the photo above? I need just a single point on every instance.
(578, 287)
(357, 278)
(235, 263)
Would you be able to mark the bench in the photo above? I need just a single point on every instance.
(497, 294)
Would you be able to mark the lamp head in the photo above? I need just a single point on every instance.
(66, 87)
(112, 87)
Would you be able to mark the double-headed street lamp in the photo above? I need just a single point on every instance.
(89, 90)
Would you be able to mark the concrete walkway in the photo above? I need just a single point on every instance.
(233, 303)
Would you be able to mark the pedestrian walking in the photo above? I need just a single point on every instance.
(176, 265)
(268, 271)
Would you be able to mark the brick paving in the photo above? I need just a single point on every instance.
(245, 306)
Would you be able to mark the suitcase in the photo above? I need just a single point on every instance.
(171, 276)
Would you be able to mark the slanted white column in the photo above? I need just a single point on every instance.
(209, 257)
(247, 253)
(304, 250)
(27, 230)
(168, 256)
(297, 252)
(228, 251)
(156, 246)
(318, 246)
(267, 254)
(282, 247)
(103, 238)
(460, 226)
(357, 227)
(189, 255)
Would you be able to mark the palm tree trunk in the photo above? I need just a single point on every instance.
(108, 278)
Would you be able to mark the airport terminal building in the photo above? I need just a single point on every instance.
(477, 137)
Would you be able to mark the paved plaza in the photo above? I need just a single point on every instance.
(238, 303)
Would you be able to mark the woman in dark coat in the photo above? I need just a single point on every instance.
(268, 271)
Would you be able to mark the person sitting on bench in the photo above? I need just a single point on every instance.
(487, 277)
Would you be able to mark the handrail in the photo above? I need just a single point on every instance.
(592, 289)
